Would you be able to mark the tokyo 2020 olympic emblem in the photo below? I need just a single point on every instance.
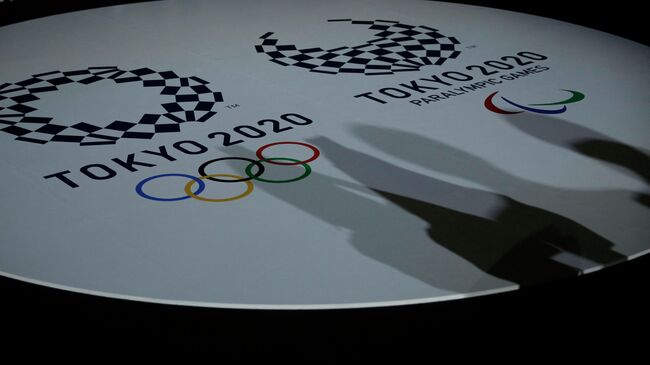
(189, 99)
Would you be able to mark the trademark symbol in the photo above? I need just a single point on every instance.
(232, 106)
(472, 46)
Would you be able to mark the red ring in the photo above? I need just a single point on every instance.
(315, 156)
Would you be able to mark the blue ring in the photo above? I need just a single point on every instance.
(536, 110)
(138, 188)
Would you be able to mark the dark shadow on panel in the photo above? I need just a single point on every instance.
(618, 213)
(616, 153)
(612, 211)
(586, 142)
(583, 140)
(644, 199)
(501, 225)
(376, 229)
(498, 235)
(516, 250)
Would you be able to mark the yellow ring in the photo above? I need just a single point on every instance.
(249, 189)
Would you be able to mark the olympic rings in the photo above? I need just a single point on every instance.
(138, 188)
(260, 169)
(312, 158)
(188, 189)
(233, 178)
(304, 175)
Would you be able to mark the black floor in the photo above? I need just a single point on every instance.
(613, 298)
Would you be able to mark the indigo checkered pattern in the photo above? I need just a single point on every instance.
(396, 47)
(190, 100)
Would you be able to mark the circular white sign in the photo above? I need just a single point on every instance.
(286, 154)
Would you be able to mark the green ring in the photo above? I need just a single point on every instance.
(249, 170)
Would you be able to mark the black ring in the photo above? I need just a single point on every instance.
(260, 169)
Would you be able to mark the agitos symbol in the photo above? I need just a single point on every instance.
(231, 178)
(575, 97)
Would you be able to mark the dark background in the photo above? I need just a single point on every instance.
(624, 17)
(607, 304)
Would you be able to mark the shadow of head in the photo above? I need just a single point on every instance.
(583, 140)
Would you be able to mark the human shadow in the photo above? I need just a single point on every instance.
(376, 228)
(616, 213)
(644, 199)
(500, 236)
(585, 141)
